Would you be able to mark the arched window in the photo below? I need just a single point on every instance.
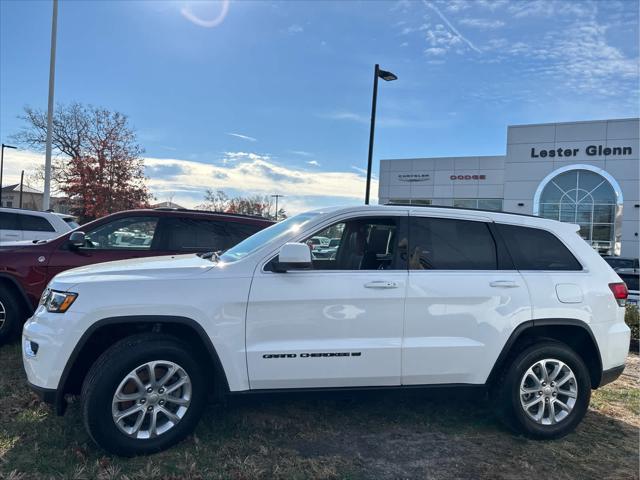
(588, 197)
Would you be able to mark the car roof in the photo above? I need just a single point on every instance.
(436, 210)
(181, 212)
(25, 211)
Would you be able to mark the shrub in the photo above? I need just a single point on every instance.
(632, 318)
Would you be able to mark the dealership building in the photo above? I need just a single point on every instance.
(587, 173)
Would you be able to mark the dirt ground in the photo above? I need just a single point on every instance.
(408, 434)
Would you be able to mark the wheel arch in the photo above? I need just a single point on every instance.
(104, 333)
(574, 333)
(13, 284)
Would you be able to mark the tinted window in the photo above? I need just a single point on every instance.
(33, 223)
(535, 249)
(130, 233)
(239, 231)
(631, 280)
(9, 221)
(448, 244)
(194, 234)
(360, 244)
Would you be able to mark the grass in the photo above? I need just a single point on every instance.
(366, 435)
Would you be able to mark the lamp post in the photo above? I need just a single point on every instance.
(52, 74)
(2, 166)
(276, 197)
(388, 77)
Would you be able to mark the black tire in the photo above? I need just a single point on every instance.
(14, 315)
(112, 367)
(507, 390)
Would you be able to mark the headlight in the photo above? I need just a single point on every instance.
(58, 302)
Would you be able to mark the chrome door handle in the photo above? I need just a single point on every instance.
(504, 284)
(381, 284)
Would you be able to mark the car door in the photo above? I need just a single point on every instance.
(339, 323)
(118, 239)
(10, 227)
(463, 300)
(35, 227)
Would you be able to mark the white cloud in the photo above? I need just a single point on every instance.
(223, 8)
(313, 163)
(345, 115)
(453, 29)
(435, 51)
(243, 137)
(295, 29)
(482, 23)
(301, 153)
(237, 172)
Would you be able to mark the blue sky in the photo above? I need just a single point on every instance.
(274, 97)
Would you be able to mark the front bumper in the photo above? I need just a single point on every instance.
(47, 395)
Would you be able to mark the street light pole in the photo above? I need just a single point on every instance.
(387, 76)
(52, 74)
(2, 166)
(276, 197)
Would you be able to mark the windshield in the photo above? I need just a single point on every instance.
(71, 222)
(288, 227)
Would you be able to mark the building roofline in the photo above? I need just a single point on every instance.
(443, 158)
(571, 123)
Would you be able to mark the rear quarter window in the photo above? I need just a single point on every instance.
(536, 249)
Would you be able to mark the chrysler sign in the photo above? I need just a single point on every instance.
(413, 177)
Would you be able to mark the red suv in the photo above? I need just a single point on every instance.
(25, 269)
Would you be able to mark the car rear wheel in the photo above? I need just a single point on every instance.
(11, 315)
(143, 395)
(545, 390)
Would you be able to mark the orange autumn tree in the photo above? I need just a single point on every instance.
(98, 163)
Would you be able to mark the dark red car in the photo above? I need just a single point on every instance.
(25, 269)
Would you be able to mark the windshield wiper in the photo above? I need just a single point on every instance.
(213, 256)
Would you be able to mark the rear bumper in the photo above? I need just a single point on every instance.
(611, 375)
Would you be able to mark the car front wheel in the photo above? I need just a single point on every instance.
(143, 395)
(545, 391)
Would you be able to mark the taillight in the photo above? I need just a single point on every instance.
(620, 292)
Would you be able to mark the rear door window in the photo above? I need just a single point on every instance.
(195, 235)
(33, 223)
(239, 231)
(536, 249)
(450, 244)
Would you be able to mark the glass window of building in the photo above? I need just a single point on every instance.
(585, 198)
(480, 203)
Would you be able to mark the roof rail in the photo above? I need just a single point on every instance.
(195, 210)
(460, 208)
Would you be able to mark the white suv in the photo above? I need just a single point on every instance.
(518, 305)
(18, 225)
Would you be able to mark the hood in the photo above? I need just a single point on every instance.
(165, 267)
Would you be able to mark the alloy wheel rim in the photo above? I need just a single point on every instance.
(548, 391)
(151, 399)
(3, 314)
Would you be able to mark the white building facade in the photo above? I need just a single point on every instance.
(587, 173)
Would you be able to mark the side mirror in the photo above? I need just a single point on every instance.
(77, 239)
(293, 256)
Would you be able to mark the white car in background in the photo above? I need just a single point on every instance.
(26, 225)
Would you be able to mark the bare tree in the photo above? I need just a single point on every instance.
(99, 164)
(260, 205)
